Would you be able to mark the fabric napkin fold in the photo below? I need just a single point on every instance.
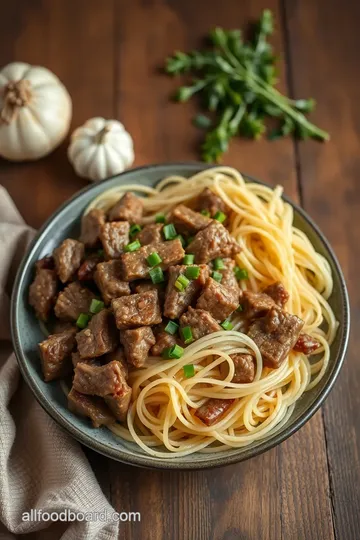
(41, 466)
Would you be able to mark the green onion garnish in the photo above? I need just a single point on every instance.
(96, 306)
(227, 325)
(182, 282)
(134, 229)
(220, 216)
(192, 272)
(173, 352)
(156, 275)
(205, 213)
(82, 320)
(160, 218)
(182, 239)
(218, 264)
(241, 273)
(153, 259)
(217, 276)
(240, 308)
(171, 327)
(189, 370)
(189, 259)
(187, 335)
(169, 232)
(133, 246)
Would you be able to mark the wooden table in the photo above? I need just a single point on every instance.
(108, 55)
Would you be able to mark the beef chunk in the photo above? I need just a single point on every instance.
(91, 407)
(75, 358)
(119, 357)
(60, 326)
(213, 241)
(306, 344)
(275, 335)
(114, 237)
(213, 409)
(42, 293)
(244, 365)
(88, 267)
(217, 300)
(278, 293)
(128, 208)
(256, 304)
(163, 340)
(98, 380)
(144, 286)
(228, 278)
(177, 302)
(200, 321)
(46, 263)
(119, 403)
(107, 278)
(91, 225)
(150, 234)
(100, 336)
(134, 265)
(137, 310)
(137, 343)
(187, 221)
(68, 257)
(55, 354)
(72, 301)
(208, 200)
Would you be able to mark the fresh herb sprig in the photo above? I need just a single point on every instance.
(236, 81)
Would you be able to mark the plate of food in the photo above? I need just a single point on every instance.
(180, 316)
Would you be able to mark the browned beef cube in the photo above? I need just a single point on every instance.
(137, 310)
(256, 304)
(163, 340)
(68, 257)
(128, 208)
(208, 200)
(278, 293)
(213, 409)
(87, 269)
(98, 380)
(75, 358)
(200, 321)
(119, 357)
(42, 292)
(100, 336)
(306, 344)
(137, 343)
(150, 234)
(177, 302)
(144, 286)
(187, 221)
(46, 263)
(119, 403)
(91, 407)
(275, 335)
(55, 354)
(91, 225)
(228, 278)
(244, 365)
(60, 326)
(213, 241)
(107, 278)
(114, 237)
(217, 300)
(135, 266)
(72, 301)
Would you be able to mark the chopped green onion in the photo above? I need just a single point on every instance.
(173, 352)
(189, 370)
(166, 353)
(82, 320)
(133, 246)
(218, 264)
(187, 335)
(241, 273)
(189, 259)
(192, 272)
(205, 213)
(153, 259)
(217, 276)
(220, 216)
(181, 283)
(240, 308)
(156, 275)
(169, 232)
(227, 325)
(160, 218)
(182, 239)
(134, 229)
(171, 327)
(100, 252)
(96, 306)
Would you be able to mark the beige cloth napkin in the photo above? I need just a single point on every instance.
(41, 466)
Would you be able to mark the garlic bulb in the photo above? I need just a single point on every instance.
(35, 111)
(100, 148)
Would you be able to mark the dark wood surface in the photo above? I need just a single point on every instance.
(108, 55)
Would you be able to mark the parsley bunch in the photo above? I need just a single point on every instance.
(236, 81)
